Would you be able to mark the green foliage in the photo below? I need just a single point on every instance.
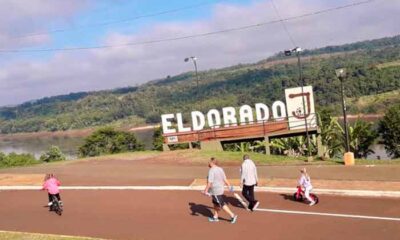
(362, 136)
(331, 134)
(53, 154)
(106, 140)
(292, 146)
(389, 128)
(158, 139)
(14, 159)
(264, 81)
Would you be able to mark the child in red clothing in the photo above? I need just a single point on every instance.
(51, 184)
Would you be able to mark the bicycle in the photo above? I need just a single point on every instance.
(299, 195)
(56, 206)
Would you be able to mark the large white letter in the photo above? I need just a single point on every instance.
(166, 123)
(211, 115)
(198, 121)
(246, 114)
(281, 113)
(262, 112)
(179, 121)
(228, 114)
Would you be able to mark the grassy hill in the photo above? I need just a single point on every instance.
(372, 65)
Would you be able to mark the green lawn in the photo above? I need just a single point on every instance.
(260, 158)
(202, 157)
(4, 235)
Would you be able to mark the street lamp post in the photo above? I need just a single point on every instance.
(341, 74)
(297, 51)
(194, 60)
(348, 156)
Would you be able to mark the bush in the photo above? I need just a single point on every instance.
(362, 136)
(14, 159)
(109, 141)
(52, 155)
(158, 139)
(389, 128)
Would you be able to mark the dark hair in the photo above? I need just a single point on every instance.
(246, 156)
(213, 160)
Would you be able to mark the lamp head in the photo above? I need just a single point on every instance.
(340, 72)
(288, 52)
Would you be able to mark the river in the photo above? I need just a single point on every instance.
(69, 145)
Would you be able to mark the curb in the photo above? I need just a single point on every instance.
(335, 192)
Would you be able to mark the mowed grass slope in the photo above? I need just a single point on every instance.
(374, 103)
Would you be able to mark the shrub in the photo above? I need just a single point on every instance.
(14, 159)
(389, 128)
(52, 155)
(158, 139)
(109, 141)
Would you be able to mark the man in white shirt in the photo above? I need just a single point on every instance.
(249, 179)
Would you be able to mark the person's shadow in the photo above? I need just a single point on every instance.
(290, 197)
(233, 201)
(200, 210)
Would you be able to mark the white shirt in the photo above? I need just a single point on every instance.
(248, 173)
(305, 181)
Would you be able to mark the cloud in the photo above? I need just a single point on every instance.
(19, 18)
(117, 67)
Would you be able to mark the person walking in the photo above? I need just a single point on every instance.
(216, 181)
(249, 179)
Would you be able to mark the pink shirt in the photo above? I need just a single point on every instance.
(51, 185)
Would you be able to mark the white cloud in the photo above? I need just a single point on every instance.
(117, 67)
(20, 18)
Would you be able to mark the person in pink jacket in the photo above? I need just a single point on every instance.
(51, 184)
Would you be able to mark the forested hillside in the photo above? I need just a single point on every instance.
(373, 68)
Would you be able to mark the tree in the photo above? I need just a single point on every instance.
(106, 140)
(389, 128)
(53, 154)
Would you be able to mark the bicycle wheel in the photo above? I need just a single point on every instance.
(297, 197)
(314, 197)
(56, 206)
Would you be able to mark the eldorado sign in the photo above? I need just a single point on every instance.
(292, 111)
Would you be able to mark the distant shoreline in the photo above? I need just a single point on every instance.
(80, 133)
(73, 133)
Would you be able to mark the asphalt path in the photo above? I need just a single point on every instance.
(138, 214)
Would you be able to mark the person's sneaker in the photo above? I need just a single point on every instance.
(233, 220)
(312, 203)
(255, 206)
(212, 219)
(49, 204)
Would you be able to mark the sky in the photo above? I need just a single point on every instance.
(52, 24)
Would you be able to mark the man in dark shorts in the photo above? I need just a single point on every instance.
(215, 187)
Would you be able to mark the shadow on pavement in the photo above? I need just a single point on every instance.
(203, 210)
(233, 201)
(291, 198)
(200, 209)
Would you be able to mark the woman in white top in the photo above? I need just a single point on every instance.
(305, 182)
